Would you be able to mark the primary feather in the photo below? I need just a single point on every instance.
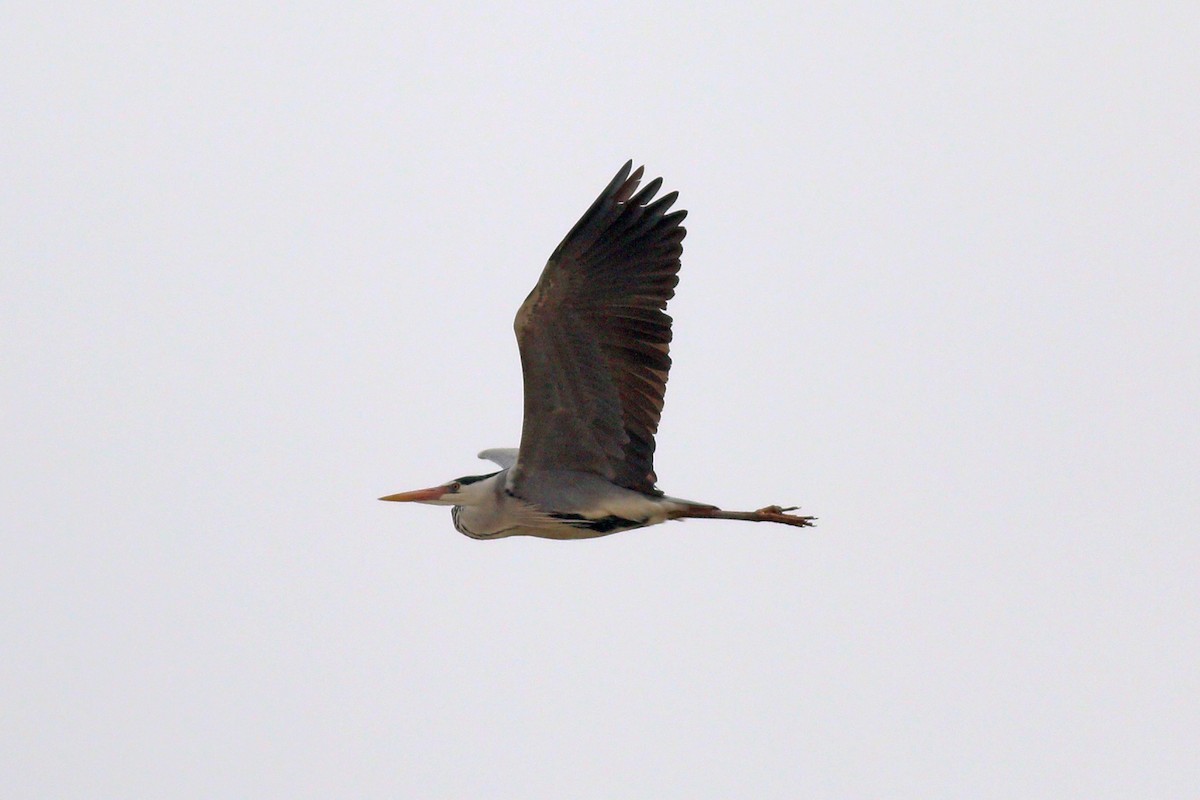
(594, 339)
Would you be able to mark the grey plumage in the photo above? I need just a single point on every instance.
(594, 339)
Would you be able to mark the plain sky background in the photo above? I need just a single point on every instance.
(259, 264)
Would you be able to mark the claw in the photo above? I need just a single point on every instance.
(779, 514)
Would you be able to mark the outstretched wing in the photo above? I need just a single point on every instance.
(500, 456)
(594, 338)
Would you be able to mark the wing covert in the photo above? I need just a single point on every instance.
(594, 338)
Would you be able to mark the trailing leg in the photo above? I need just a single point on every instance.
(766, 514)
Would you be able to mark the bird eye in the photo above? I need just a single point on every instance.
(455, 486)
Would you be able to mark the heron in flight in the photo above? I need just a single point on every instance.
(593, 336)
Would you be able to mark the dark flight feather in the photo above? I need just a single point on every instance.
(594, 338)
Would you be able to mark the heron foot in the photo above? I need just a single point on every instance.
(766, 514)
(780, 514)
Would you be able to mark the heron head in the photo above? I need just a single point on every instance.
(465, 491)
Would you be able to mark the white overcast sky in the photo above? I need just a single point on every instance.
(258, 266)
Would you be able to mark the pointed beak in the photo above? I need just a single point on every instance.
(419, 496)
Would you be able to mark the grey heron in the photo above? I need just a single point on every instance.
(594, 338)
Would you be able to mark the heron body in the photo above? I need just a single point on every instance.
(567, 505)
(594, 338)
